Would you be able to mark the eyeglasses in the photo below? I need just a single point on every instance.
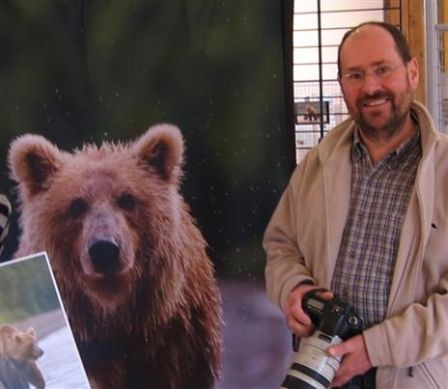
(358, 77)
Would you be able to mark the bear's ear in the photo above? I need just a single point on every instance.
(32, 161)
(17, 338)
(31, 331)
(161, 148)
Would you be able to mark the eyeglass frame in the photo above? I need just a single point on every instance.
(380, 72)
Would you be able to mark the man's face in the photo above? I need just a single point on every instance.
(378, 87)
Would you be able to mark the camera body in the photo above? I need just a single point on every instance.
(335, 321)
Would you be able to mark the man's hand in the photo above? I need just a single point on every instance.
(355, 359)
(298, 321)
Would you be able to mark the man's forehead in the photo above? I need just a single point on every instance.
(368, 31)
(368, 43)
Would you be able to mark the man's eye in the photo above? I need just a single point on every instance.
(355, 76)
(382, 70)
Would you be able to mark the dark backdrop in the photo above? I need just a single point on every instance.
(81, 71)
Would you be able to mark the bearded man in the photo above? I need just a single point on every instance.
(365, 216)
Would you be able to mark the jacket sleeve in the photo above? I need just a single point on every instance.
(285, 267)
(418, 334)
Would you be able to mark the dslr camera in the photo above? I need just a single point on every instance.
(335, 321)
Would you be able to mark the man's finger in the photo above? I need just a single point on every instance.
(338, 350)
(327, 295)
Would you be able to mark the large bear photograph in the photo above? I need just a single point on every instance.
(144, 145)
(131, 265)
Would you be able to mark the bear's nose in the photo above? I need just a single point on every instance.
(105, 256)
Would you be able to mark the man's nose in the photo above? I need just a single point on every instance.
(371, 83)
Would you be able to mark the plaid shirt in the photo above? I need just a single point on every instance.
(379, 199)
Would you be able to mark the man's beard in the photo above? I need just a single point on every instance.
(395, 123)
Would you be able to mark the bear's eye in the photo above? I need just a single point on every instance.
(77, 208)
(126, 201)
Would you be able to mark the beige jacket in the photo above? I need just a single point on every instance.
(303, 237)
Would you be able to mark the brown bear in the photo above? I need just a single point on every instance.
(18, 354)
(131, 264)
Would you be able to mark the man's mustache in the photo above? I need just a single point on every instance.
(376, 96)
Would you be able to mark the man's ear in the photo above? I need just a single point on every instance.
(413, 73)
(161, 149)
(341, 86)
(33, 161)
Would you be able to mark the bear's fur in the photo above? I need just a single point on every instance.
(18, 354)
(129, 260)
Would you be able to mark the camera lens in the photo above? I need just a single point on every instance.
(302, 377)
(312, 367)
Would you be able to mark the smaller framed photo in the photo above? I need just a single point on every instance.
(38, 346)
(308, 112)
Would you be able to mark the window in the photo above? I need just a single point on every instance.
(318, 27)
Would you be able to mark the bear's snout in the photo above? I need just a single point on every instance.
(105, 256)
(38, 352)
